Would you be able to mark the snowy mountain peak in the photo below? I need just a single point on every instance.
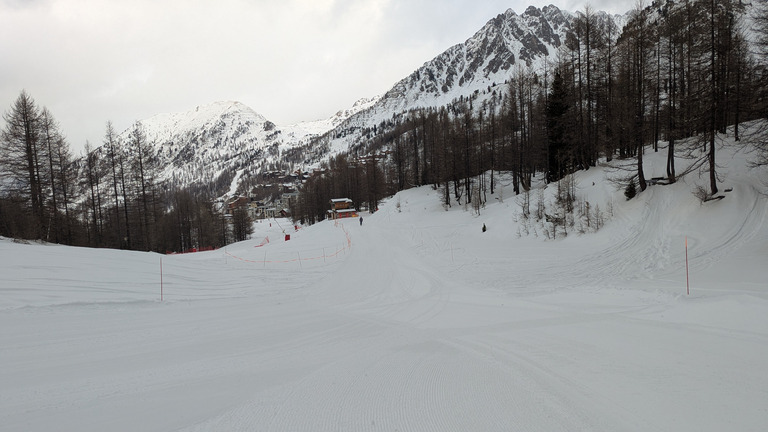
(302, 133)
(485, 58)
(476, 66)
(196, 146)
(163, 125)
(230, 136)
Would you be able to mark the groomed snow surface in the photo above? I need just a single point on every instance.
(414, 321)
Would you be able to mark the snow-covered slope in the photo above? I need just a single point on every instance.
(301, 131)
(485, 59)
(196, 146)
(415, 320)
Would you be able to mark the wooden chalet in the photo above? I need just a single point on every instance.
(342, 208)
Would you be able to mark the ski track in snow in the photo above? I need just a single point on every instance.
(415, 321)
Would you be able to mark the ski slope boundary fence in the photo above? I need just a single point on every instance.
(191, 250)
(282, 257)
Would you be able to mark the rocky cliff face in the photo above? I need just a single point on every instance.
(486, 58)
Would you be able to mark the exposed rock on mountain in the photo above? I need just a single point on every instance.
(196, 147)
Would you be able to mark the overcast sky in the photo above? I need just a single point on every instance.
(90, 61)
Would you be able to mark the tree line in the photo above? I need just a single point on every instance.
(110, 197)
(676, 70)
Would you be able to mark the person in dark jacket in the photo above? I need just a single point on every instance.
(361, 221)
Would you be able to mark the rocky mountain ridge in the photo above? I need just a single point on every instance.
(197, 146)
(476, 67)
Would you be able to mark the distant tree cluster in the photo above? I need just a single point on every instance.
(360, 179)
(111, 197)
(676, 70)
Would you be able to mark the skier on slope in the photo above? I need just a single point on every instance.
(361, 221)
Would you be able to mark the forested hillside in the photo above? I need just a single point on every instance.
(676, 70)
